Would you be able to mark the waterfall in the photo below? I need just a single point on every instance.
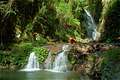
(33, 64)
(91, 26)
(60, 63)
(61, 60)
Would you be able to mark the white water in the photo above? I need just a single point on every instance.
(91, 26)
(60, 64)
(33, 64)
(61, 60)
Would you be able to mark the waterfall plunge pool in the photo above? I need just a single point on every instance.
(38, 75)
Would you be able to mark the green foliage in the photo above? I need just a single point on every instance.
(25, 48)
(29, 27)
(39, 40)
(20, 53)
(62, 7)
(3, 58)
(62, 34)
(112, 55)
(45, 17)
(72, 59)
(16, 58)
(73, 22)
(64, 13)
(77, 36)
(45, 21)
(41, 53)
(110, 64)
(77, 6)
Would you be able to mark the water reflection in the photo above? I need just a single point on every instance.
(46, 75)
(38, 75)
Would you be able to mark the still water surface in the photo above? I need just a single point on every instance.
(39, 75)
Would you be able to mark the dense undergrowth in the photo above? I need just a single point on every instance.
(106, 66)
(110, 67)
(55, 19)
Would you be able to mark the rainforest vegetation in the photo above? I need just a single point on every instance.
(35, 25)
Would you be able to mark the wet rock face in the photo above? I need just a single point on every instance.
(54, 47)
(86, 59)
(83, 57)
(90, 48)
(66, 47)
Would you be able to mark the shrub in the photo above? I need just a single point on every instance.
(110, 64)
(40, 40)
(41, 53)
(20, 52)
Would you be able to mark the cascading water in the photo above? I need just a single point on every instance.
(91, 26)
(33, 64)
(61, 61)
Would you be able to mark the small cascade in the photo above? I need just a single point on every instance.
(60, 63)
(61, 60)
(91, 26)
(33, 64)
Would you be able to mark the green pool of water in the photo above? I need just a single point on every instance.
(38, 75)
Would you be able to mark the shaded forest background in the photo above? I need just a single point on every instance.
(56, 20)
